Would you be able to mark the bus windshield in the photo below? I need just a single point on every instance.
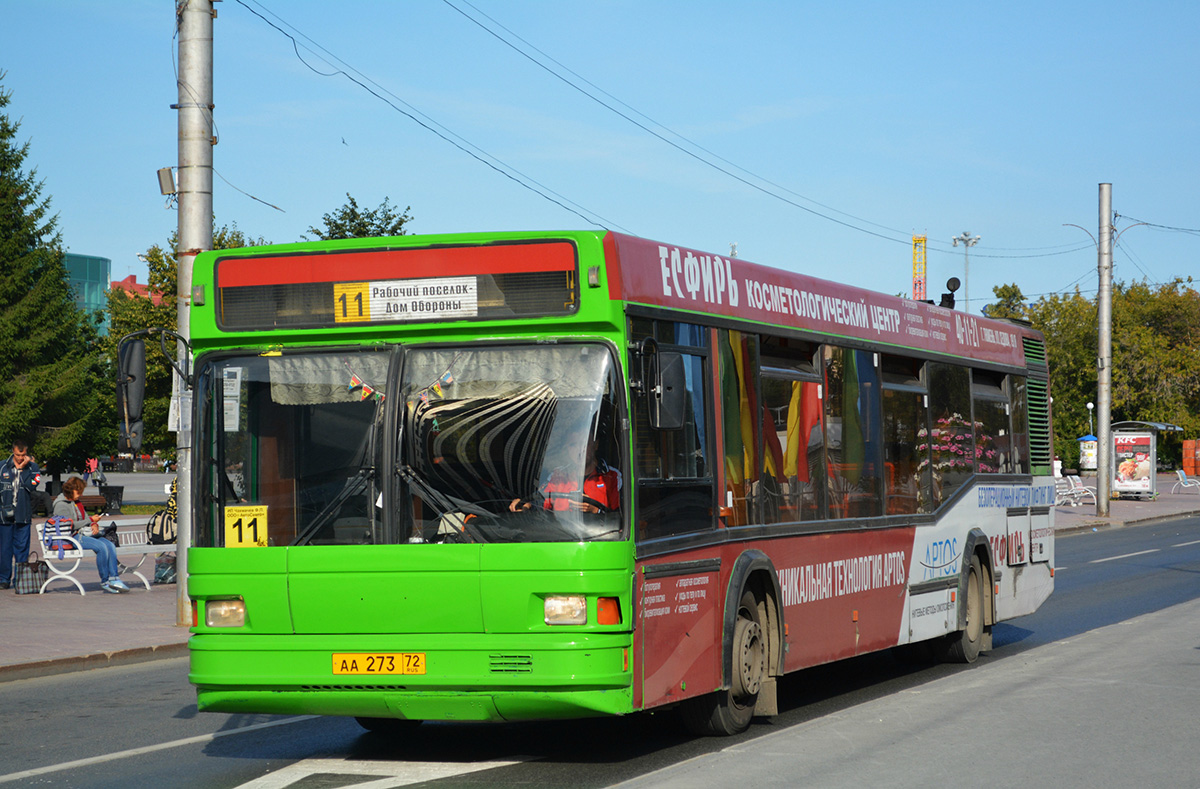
(493, 444)
(289, 444)
(509, 444)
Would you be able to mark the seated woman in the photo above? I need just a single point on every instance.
(86, 529)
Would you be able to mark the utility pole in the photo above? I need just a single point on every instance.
(1104, 356)
(194, 19)
(968, 241)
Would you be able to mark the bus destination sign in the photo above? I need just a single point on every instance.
(438, 298)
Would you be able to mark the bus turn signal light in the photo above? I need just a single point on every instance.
(608, 611)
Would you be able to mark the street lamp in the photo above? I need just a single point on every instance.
(968, 241)
(1090, 407)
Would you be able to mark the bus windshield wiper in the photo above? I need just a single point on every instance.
(351, 487)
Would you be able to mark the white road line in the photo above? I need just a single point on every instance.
(385, 774)
(1124, 556)
(54, 768)
(1185, 544)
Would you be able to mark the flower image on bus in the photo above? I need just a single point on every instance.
(515, 476)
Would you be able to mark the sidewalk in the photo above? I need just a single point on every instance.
(1129, 512)
(61, 631)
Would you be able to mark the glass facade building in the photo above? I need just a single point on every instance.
(89, 277)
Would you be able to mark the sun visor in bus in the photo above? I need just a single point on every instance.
(313, 380)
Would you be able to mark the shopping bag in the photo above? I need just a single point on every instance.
(30, 576)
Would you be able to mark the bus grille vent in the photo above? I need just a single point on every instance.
(353, 687)
(511, 664)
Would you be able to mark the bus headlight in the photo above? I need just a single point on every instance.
(566, 609)
(225, 613)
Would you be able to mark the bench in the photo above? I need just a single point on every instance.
(63, 555)
(1071, 491)
(93, 502)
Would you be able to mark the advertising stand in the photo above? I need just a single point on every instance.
(1088, 445)
(1134, 457)
(1134, 469)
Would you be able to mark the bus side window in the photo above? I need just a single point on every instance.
(993, 437)
(853, 433)
(951, 437)
(1018, 397)
(792, 453)
(674, 475)
(907, 472)
(741, 425)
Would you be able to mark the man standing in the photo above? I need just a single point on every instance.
(19, 477)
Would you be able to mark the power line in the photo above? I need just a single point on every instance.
(1191, 230)
(906, 240)
(428, 124)
(905, 236)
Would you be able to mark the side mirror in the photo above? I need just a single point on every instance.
(131, 393)
(668, 392)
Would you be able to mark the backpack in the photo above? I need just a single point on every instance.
(161, 528)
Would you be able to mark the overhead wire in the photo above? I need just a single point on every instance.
(932, 245)
(636, 111)
(426, 122)
(673, 144)
(1189, 230)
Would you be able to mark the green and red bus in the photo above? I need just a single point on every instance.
(393, 437)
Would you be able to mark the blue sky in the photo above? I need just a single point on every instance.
(891, 118)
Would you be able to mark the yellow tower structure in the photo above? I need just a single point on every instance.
(918, 268)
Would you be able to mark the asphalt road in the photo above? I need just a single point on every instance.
(141, 487)
(1099, 687)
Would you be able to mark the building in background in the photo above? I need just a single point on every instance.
(89, 277)
(135, 289)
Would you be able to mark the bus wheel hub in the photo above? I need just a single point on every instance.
(748, 658)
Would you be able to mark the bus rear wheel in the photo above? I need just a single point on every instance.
(964, 646)
(729, 711)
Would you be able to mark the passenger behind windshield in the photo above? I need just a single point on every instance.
(601, 488)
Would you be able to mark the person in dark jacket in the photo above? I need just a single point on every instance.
(19, 477)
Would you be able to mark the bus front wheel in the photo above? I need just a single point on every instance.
(964, 645)
(729, 711)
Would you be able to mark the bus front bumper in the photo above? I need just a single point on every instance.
(496, 679)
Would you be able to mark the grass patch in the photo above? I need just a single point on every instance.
(140, 509)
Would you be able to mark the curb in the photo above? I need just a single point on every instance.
(1150, 520)
(121, 657)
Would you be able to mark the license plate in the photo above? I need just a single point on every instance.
(378, 663)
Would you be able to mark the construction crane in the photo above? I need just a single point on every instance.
(918, 268)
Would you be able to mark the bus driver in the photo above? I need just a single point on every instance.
(601, 484)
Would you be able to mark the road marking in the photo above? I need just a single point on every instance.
(385, 774)
(54, 768)
(1186, 544)
(1124, 556)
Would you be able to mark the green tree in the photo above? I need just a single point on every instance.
(350, 221)
(1010, 303)
(51, 372)
(132, 313)
(1155, 367)
(1156, 364)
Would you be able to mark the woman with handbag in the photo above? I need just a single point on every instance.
(87, 530)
